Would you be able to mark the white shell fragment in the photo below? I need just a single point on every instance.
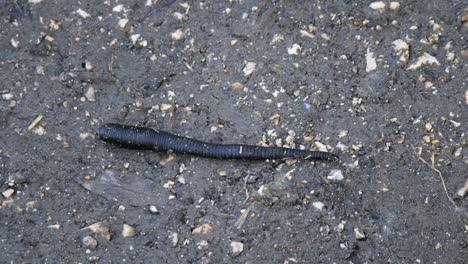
(426, 58)
(335, 175)
(401, 48)
(249, 68)
(371, 63)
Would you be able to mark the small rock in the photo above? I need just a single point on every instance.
(401, 48)
(122, 23)
(89, 242)
(236, 248)
(466, 97)
(237, 86)
(128, 231)
(249, 68)
(318, 205)
(178, 35)
(134, 38)
(336, 175)
(359, 234)
(306, 34)
(203, 244)
(426, 58)
(343, 133)
(90, 94)
(295, 49)
(82, 13)
(118, 8)
(277, 38)
(8, 193)
(203, 229)
(378, 6)
(14, 43)
(462, 191)
(153, 209)
(174, 238)
(88, 65)
(179, 16)
(165, 107)
(99, 228)
(371, 63)
(394, 6)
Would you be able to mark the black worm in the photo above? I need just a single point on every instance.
(147, 138)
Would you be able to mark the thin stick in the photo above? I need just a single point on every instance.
(432, 166)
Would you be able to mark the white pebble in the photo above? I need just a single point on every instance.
(236, 247)
(90, 94)
(249, 68)
(377, 6)
(8, 193)
(89, 242)
(371, 63)
(153, 209)
(122, 23)
(318, 205)
(128, 231)
(359, 234)
(178, 35)
(134, 38)
(82, 13)
(401, 48)
(336, 175)
(118, 8)
(295, 49)
(394, 6)
(7, 96)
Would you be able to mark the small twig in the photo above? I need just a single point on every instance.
(432, 166)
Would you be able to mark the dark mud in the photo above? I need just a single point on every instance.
(314, 80)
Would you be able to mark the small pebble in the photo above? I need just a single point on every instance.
(153, 209)
(99, 228)
(394, 6)
(318, 205)
(249, 68)
(128, 231)
(359, 234)
(203, 229)
(122, 23)
(174, 237)
(336, 175)
(401, 48)
(371, 63)
(236, 248)
(178, 35)
(463, 190)
(8, 193)
(90, 94)
(294, 50)
(377, 6)
(237, 86)
(89, 242)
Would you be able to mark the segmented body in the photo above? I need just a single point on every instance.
(147, 138)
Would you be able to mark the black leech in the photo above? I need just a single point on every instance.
(147, 138)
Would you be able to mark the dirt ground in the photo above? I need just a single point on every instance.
(384, 85)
